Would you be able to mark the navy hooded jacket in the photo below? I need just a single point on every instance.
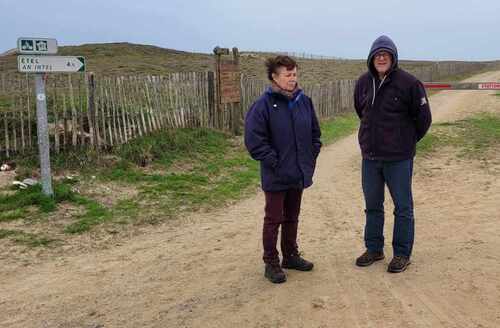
(284, 135)
(394, 111)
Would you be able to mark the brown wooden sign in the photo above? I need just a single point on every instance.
(229, 77)
(228, 86)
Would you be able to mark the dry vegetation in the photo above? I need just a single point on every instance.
(133, 59)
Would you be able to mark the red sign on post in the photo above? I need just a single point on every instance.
(463, 85)
(489, 86)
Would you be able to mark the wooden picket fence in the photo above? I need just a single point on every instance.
(329, 99)
(441, 70)
(101, 112)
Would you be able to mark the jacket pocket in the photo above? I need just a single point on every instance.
(389, 139)
(287, 170)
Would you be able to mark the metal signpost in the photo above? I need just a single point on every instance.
(41, 65)
(43, 134)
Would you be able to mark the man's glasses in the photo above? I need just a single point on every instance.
(382, 54)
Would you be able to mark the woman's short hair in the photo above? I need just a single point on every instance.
(273, 63)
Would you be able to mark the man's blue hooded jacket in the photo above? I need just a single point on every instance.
(394, 111)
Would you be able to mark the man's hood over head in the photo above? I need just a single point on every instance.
(382, 43)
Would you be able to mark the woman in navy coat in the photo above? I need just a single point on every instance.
(282, 132)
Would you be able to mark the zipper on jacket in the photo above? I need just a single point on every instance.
(372, 126)
(293, 102)
(293, 113)
(375, 90)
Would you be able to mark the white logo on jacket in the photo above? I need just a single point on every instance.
(423, 101)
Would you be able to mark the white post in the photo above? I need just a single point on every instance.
(43, 134)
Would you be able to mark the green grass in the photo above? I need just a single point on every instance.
(66, 160)
(95, 214)
(161, 148)
(218, 170)
(22, 202)
(27, 239)
(474, 135)
(186, 170)
(211, 171)
(483, 131)
(22, 199)
(12, 214)
(338, 127)
(429, 143)
(189, 170)
(168, 146)
(192, 168)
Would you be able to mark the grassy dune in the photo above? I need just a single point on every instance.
(133, 59)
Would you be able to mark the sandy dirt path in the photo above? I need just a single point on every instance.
(206, 271)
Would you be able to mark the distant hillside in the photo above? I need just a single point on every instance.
(9, 52)
(129, 59)
(133, 59)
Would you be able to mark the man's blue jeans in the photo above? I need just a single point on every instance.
(398, 176)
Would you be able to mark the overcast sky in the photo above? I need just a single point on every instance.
(436, 30)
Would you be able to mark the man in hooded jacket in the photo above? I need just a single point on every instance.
(394, 112)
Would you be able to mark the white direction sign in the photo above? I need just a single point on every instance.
(50, 64)
(37, 46)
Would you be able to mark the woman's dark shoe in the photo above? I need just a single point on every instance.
(367, 258)
(399, 264)
(274, 273)
(297, 263)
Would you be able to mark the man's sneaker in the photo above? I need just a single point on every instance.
(274, 273)
(297, 263)
(398, 264)
(368, 258)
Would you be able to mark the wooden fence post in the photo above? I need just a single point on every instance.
(91, 114)
(237, 111)
(212, 103)
(218, 53)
